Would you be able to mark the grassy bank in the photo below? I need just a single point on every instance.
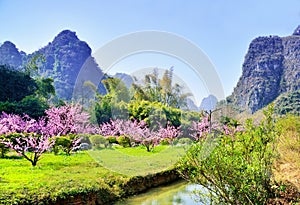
(136, 161)
(56, 177)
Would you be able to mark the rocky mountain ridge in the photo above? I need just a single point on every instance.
(271, 67)
(64, 57)
(10, 55)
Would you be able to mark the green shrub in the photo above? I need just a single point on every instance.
(112, 139)
(98, 141)
(66, 143)
(62, 143)
(123, 141)
(234, 168)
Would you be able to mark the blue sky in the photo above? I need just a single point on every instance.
(222, 29)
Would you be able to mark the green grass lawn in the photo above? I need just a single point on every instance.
(137, 161)
(53, 176)
(61, 175)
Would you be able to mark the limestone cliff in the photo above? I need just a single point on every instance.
(271, 67)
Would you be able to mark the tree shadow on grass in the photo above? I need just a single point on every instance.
(13, 157)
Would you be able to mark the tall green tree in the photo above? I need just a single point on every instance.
(25, 91)
(103, 109)
(15, 85)
(117, 89)
(114, 103)
(161, 90)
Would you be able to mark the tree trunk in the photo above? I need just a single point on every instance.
(34, 163)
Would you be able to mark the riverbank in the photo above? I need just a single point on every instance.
(133, 186)
(83, 178)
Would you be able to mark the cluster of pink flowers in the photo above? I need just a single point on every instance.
(200, 129)
(68, 119)
(138, 132)
(31, 138)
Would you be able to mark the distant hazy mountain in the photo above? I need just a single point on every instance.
(191, 105)
(127, 79)
(271, 68)
(208, 103)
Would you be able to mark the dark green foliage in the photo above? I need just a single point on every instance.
(120, 110)
(30, 105)
(173, 116)
(61, 143)
(45, 87)
(235, 168)
(8, 107)
(3, 148)
(113, 105)
(103, 109)
(15, 85)
(21, 93)
(112, 139)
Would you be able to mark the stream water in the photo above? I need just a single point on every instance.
(179, 193)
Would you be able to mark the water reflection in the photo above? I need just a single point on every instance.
(179, 193)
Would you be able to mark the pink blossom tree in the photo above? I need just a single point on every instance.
(201, 129)
(132, 130)
(109, 128)
(66, 121)
(149, 139)
(26, 136)
(31, 138)
(169, 133)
